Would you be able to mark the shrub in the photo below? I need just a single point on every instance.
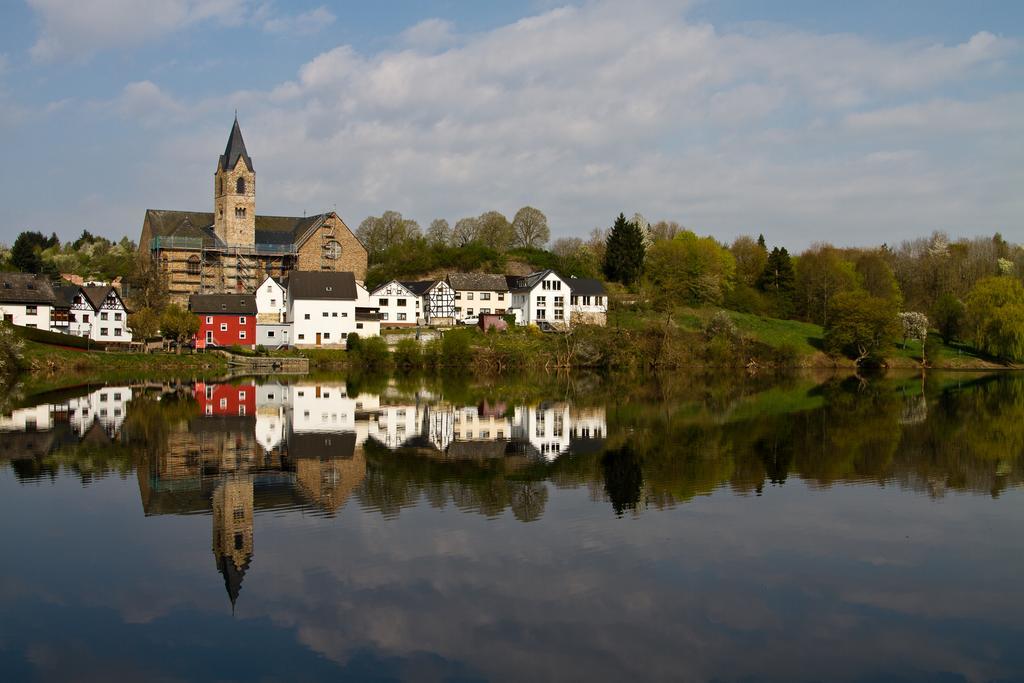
(373, 351)
(407, 353)
(352, 342)
(721, 325)
(11, 347)
(455, 348)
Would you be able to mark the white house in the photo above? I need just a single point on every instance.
(367, 315)
(588, 302)
(437, 301)
(477, 293)
(322, 309)
(541, 297)
(96, 312)
(398, 305)
(26, 300)
(272, 328)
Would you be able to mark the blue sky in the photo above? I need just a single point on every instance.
(857, 123)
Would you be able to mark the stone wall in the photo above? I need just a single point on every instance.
(353, 257)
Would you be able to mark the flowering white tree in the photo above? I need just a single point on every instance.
(915, 326)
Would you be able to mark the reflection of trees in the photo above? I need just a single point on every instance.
(528, 500)
(623, 478)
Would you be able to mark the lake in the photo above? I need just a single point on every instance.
(679, 528)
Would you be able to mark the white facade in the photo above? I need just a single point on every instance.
(473, 302)
(104, 322)
(271, 302)
(367, 323)
(28, 315)
(397, 304)
(546, 301)
(108, 406)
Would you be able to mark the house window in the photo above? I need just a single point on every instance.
(458, 295)
(501, 296)
(117, 331)
(383, 302)
(301, 337)
(469, 311)
(270, 333)
(306, 316)
(325, 314)
(332, 249)
(104, 316)
(273, 302)
(241, 320)
(359, 326)
(559, 301)
(209, 410)
(103, 331)
(223, 403)
(240, 186)
(117, 316)
(334, 314)
(383, 316)
(327, 335)
(193, 265)
(241, 395)
(485, 296)
(223, 327)
(30, 310)
(402, 316)
(542, 300)
(241, 334)
(540, 314)
(559, 314)
(401, 302)
(209, 319)
(484, 310)
(469, 296)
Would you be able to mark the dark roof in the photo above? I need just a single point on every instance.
(529, 281)
(96, 295)
(240, 304)
(420, 287)
(478, 281)
(585, 286)
(277, 230)
(65, 295)
(322, 444)
(232, 576)
(322, 285)
(235, 149)
(223, 424)
(25, 288)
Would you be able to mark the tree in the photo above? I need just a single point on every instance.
(821, 274)
(145, 324)
(624, 252)
(877, 278)
(914, 326)
(778, 280)
(860, 324)
(531, 228)
(179, 325)
(751, 259)
(494, 231)
(387, 230)
(664, 230)
(27, 249)
(995, 317)
(466, 230)
(148, 286)
(948, 314)
(689, 269)
(439, 234)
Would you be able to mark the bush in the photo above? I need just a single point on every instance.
(785, 355)
(373, 351)
(721, 325)
(456, 348)
(407, 353)
(352, 342)
(11, 347)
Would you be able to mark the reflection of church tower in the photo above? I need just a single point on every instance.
(232, 531)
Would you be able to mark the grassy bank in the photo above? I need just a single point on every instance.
(52, 367)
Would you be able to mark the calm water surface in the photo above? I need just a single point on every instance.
(372, 529)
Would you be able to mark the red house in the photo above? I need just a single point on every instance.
(224, 319)
(225, 399)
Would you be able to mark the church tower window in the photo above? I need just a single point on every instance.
(240, 186)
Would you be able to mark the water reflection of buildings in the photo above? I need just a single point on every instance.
(232, 450)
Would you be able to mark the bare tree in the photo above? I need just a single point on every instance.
(531, 227)
(387, 230)
(665, 230)
(565, 247)
(494, 231)
(465, 231)
(439, 233)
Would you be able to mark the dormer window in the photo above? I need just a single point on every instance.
(240, 186)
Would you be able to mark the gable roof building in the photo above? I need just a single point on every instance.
(478, 282)
(223, 304)
(321, 285)
(232, 248)
(25, 288)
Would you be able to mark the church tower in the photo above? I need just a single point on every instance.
(232, 531)
(234, 193)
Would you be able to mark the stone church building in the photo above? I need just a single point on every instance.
(233, 249)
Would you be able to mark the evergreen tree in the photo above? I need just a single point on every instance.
(760, 242)
(624, 252)
(778, 281)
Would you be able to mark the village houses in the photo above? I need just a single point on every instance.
(324, 308)
(224, 319)
(96, 312)
(479, 293)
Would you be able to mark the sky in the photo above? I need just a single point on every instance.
(855, 123)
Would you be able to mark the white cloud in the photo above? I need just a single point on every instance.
(304, 23)
(586, 111)
(429, 35)
(80, 29)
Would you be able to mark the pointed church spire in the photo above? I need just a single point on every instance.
(235, 149)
